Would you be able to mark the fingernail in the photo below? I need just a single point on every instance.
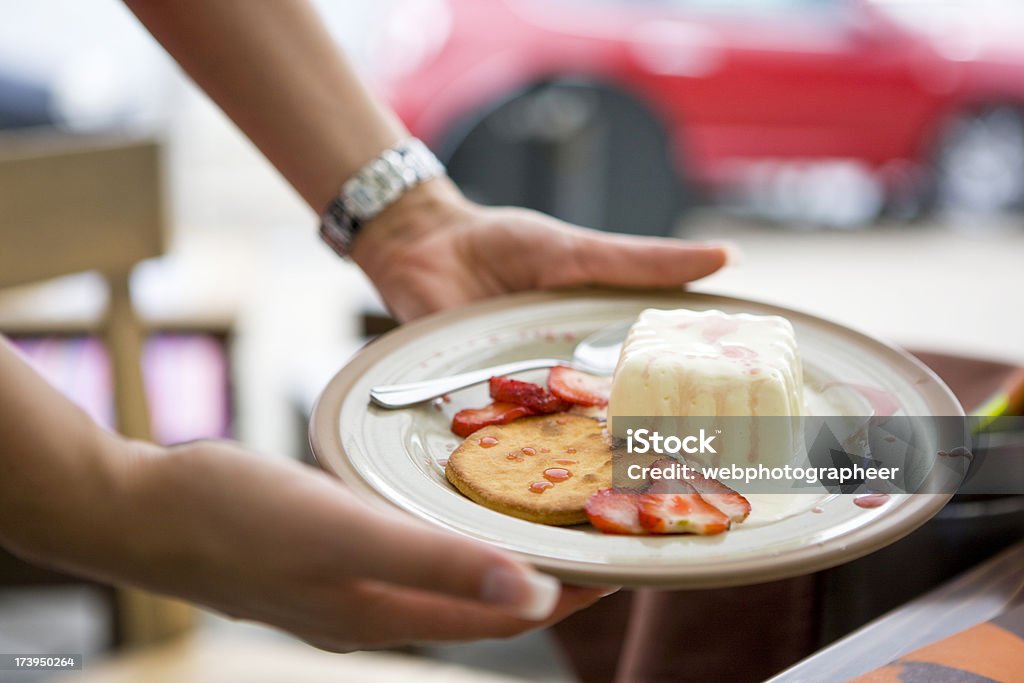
(528, 595)
(610, 591)
(733, 253)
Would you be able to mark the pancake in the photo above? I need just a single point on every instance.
(520, 468)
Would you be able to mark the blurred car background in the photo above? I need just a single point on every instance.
(866, 155)
(821, 113)
(832, 112)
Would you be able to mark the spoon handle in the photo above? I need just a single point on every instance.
(403, 395)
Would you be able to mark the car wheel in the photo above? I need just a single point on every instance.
(980, 163)
(584, 153)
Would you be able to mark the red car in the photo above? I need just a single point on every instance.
(619, 113)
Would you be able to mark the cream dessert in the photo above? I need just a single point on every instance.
(709, 364)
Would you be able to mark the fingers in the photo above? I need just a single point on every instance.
(390, 615)
(624, 261)
(397, 550)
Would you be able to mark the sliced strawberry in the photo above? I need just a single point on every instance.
(680, 513)
(532, 396)
(469, 420)
(733, 504)
(667, 486)
(614, 511)
(579, 387)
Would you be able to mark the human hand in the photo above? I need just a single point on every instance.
(433, 249)
(276, 542)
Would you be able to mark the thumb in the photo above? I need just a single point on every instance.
(628, 261)
(406, 552)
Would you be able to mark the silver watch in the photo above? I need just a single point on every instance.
(376, 186)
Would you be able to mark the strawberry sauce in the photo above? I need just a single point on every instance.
(871, 500)
(556, 474)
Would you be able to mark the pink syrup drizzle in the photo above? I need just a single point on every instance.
(871, 500)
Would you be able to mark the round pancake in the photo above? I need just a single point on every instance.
(492, 468)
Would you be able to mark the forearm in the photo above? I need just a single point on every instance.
(61, 475)
(273, 68)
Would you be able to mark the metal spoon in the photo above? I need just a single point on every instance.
(597, 354)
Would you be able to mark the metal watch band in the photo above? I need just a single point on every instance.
(376, 186)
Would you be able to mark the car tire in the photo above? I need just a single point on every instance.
(585, 153)
(979, 163)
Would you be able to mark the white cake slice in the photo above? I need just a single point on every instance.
(710, 364)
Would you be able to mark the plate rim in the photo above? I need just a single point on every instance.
(325, 435)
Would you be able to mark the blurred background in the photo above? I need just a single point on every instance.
(866, 155)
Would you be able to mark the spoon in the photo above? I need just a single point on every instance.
(597, 354)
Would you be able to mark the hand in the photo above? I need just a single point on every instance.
(433, 250)
(277, 542)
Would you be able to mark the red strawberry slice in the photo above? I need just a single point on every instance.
(579, 387)
(614, 511)
(533, 396)
(680, 513)
(733, 504)
(668, 486)
(469, 420)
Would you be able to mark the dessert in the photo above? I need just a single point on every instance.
(708, 364)
(542, 469)
(532, 455)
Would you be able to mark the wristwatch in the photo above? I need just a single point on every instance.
(373, 188)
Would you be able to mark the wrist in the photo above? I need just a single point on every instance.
(377, 185)
(423, 210)
(76, 519)
(154, 532)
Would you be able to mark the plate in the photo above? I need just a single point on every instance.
(396, 457)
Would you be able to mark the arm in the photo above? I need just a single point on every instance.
(276, 72)
(261, 539)
(272, 67)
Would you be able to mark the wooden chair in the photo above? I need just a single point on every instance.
(70, 204)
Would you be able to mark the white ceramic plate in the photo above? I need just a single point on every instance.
(397, 456)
